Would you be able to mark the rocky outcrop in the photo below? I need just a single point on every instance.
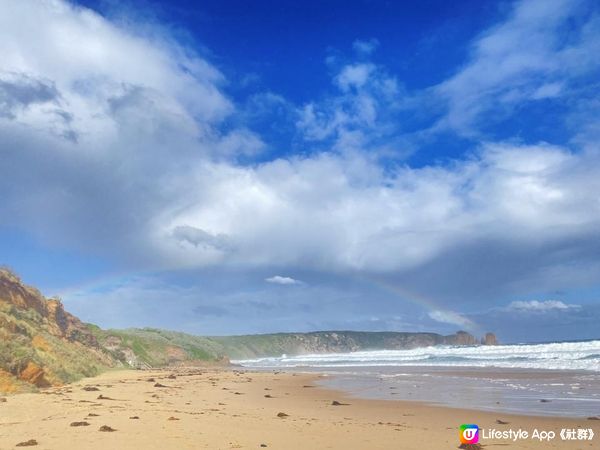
(34, 374)
(460, 338)
(489, 339)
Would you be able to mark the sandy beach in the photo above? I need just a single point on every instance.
(225, 409)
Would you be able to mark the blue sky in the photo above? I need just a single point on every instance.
(217, 168)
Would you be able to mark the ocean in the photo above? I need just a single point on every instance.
(558, 379)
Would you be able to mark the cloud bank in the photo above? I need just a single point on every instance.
(540, 306)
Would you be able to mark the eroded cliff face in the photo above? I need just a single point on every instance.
(40, 343)
(55, 319)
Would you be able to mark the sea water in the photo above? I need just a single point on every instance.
(561, 379)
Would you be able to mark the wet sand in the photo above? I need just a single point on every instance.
(226, 409)
(533, 392)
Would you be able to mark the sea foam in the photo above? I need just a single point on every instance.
(559, 356)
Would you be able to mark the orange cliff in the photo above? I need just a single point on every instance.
(41, 344)
(56, 321)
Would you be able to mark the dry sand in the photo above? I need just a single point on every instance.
(226, 409)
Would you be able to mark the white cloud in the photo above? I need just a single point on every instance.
(548, 90)
(359, 115)
(354, 76)
(452, 318)
(91, 59)
(532, 55)
(541, 306)
(110, 120)
(198, 237)
(345, 212)
(277, 279)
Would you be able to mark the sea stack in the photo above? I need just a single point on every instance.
(489, 339)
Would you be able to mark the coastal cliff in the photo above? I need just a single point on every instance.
(250, 346)
(40, 343)
(43, 345)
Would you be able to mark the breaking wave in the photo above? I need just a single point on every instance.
(558, 356)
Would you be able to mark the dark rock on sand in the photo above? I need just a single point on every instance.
(106, 428)
(173, 418)
(79, 424)
(93, 415)
(90, 388)
(336, 403)
(470, 446)
(159, 385)
(282, 414)
(501, 422)
(269, 396)
(29, 443)
(134, 417)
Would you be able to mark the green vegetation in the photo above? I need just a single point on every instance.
(154, 347)
(250, 346)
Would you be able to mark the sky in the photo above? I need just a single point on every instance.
(226, 168)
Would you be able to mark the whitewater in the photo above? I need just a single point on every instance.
(554, 356)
